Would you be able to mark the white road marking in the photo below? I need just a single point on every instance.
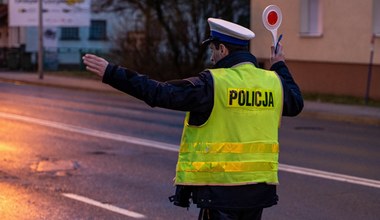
(330, 176)
(104, 206)
(92, 132)
(171, 147)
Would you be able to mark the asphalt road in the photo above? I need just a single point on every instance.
(68, 154)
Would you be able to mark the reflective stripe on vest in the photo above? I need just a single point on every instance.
(239, 142)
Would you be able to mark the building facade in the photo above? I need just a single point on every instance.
(63, 46)
(327, 44)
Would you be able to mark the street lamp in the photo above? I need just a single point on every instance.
(366, 98)
(40, 40)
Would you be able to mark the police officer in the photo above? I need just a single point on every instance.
(228, 157)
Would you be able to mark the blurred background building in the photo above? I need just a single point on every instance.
(327, 43)
(63, 46)
(128, 32)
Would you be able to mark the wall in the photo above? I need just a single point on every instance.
(335, 78)
(335, 62)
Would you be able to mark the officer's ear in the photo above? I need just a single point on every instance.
(223, 50)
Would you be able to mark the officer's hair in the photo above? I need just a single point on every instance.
(230, 47)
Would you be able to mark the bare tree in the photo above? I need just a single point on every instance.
(163, 37)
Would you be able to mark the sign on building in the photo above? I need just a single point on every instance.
(66, 13)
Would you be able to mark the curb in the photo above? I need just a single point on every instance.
(59, 85)
(330, 116)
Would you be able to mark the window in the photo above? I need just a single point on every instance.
(311, 18)
(376, 17)
(70, 33)
(98, 30)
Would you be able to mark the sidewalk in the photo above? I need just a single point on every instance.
(56, 81)
(329, 111)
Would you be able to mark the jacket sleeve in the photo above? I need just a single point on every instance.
(293, 101)
(191, 94)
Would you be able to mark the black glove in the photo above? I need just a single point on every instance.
(182, 196)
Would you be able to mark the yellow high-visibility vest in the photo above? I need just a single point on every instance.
(238, 144)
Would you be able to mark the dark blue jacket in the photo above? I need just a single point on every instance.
(196, 95)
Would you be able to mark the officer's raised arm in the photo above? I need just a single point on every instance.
(293, 101)
(277, 57)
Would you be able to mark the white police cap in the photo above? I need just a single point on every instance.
(228, 32)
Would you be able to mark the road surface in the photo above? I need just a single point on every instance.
(69, 154)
